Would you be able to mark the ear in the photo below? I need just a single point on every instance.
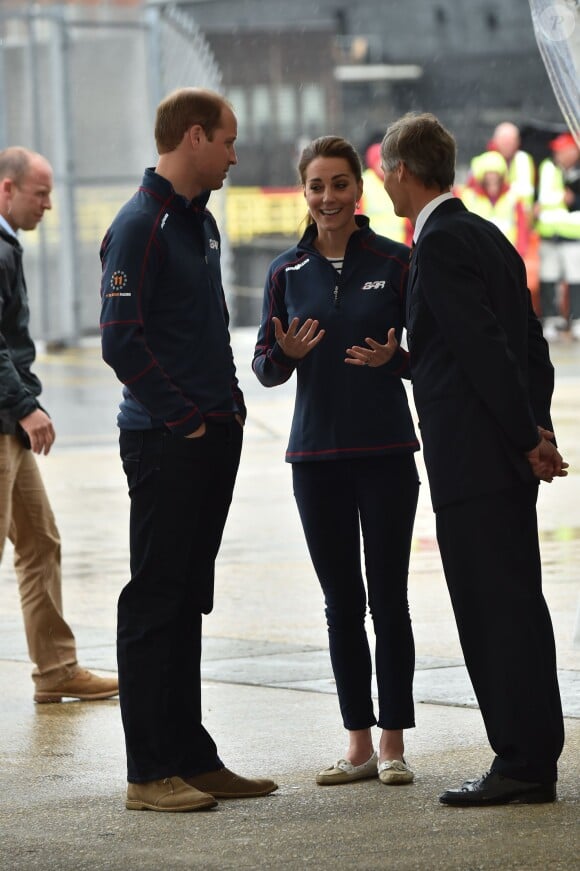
(195, 134)
(359, 189)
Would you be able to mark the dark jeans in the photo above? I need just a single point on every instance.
(491, 557)
(180, 491)
(336, 500)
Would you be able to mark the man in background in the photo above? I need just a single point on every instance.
(521, 173)
(558, 225)
(26, 517)
(375, 205)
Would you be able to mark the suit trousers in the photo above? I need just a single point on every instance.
(337, 500)
(26, 518)
(180, 491)
(491, 558)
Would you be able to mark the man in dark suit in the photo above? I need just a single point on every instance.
(482, 382)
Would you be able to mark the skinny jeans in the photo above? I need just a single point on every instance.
(337, 501)
(180, 491)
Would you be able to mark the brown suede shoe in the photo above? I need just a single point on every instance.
(223, 783)
(83, 685)
(171, 795)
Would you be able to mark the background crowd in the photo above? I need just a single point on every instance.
(536, 205)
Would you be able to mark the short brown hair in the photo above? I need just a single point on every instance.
(330, 146)
(426, 148)
(184, 108)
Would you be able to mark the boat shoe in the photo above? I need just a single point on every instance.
(344, 771)
(394, 772)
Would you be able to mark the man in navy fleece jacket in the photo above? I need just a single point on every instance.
(165, 333)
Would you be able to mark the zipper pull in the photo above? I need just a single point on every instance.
(336, 296)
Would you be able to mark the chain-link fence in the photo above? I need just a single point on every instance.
(80, 85)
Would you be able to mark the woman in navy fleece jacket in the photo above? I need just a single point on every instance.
(333, 311)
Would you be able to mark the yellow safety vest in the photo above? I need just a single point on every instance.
(502, 213)
(521, 175)
(554, 218)
(377, 205)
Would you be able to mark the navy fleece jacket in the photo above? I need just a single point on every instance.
(164, 319)
(341, 411)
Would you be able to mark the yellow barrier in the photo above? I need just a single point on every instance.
(243, 213)
(257, 211)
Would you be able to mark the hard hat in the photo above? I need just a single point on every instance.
(489, 161)
(562, 142)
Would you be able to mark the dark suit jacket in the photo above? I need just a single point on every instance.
(481, 372)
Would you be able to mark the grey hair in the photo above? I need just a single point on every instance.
(426, 148)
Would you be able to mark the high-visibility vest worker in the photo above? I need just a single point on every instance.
(558, 225)
(377, 205)
(491, 196)
(521, 169)
(554, 218)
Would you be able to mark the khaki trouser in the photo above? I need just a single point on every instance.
(26, 518)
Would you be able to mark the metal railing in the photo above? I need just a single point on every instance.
(83, 92)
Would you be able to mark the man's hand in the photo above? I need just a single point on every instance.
(40, 431)
(378, 354)
(546, 460)
(297, 343)
(197, 433)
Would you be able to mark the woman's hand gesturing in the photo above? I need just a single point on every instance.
(376, 354)
(297, 341)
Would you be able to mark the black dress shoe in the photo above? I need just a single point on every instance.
(493, 788)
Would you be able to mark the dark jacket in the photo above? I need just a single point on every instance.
(18, 386)
(341, 411)
(482, 377)
(164, 318)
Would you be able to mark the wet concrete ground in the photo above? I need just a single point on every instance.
(269, 697)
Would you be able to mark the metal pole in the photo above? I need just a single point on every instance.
(154, 70)
(3, 134)
(66, 294)
(38, 145)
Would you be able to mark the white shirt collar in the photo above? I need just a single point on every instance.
(427, 210)
(6, 226)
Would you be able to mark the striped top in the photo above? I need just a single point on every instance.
(337, 263)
